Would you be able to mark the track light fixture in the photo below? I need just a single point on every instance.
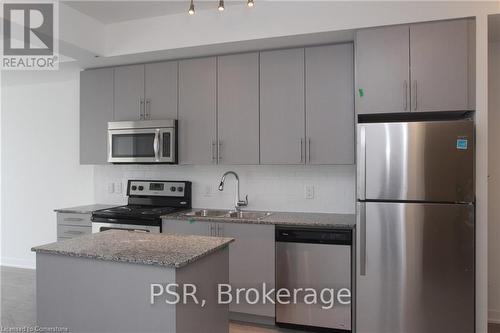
(191, 8)
(250, 3)
(221, 6)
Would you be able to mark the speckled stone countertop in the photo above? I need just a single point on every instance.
(346, 221)
(168, 250)
(87, 209)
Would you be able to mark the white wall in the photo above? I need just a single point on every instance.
(40, 167)
(494, 183)
(277, 188)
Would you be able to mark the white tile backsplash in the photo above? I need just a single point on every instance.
(278, 188)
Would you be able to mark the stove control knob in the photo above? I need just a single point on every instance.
(180, 189)
(173, 189)
(141, 188)
(134, 188)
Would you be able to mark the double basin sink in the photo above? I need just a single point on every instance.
(229, 214)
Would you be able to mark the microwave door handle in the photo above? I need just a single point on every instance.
(156, 145)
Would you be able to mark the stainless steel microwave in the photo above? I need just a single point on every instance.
(145, 141)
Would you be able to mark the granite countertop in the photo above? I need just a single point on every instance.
(346, 221)
(87, 209)
(167, 250)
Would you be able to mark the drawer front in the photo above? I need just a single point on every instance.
(74, 219)
(67, 231)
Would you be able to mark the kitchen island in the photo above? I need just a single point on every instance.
(116, 281)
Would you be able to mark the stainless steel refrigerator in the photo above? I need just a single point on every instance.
(415, 239)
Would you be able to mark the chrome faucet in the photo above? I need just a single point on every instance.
(238, 203)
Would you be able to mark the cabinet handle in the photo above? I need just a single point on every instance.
(220, 230)
(73, 232)
(219, 151)
(309, 150)
(214, 155)
(147, 112)
(362, 236)
(73, 219)
(405, 95)
(211, 229)
(141, 108)
(301, 144)
(415, 95)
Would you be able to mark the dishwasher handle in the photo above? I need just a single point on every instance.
(314, 235)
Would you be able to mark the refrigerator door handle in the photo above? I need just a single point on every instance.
(362, 237)
(361, 162)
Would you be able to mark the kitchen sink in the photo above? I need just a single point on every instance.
(208, 213)
(221, 213)
(248, 215)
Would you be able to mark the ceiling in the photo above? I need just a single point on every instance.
(118, 11)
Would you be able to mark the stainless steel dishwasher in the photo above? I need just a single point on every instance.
(308, 257)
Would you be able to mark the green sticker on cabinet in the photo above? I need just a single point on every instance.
(191, 221)
(361, 92)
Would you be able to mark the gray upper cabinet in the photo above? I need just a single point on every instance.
(330, 104)
(439, 66)
(96, 109)
(161, 90)
(129, 93)
(197, 111)
(238, 109)
(382, 72)
(282, 118)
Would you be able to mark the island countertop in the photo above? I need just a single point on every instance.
(168, 250)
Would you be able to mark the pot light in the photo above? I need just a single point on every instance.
(221, 6)
(250, 3)
(191, 8)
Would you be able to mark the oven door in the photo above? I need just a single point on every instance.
(101, 226)
(155, 145)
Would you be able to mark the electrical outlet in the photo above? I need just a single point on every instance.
(111, 187)
(118, 187)
(309, 192)
(208, 191)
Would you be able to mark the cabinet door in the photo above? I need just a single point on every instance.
(382, 72)
(439, 66)
(282, 128)
(330, 104)
(251, 262)
(187, 227)
(129, 92)
(238, 109)
(161, 90)
(197, 111)
(96, 110)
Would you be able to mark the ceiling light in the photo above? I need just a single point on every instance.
(221, 5)
(191, 8)
(250, 3)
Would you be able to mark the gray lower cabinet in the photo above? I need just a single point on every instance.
(251, 256)
(96, 109)
(198, 111)
(383, 70)
(129, 93)
(161, 90)
(330, 104)
(238, 109)
(439, 65)
(282, 118)
(70, 225)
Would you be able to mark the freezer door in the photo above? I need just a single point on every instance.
(416, 161)
(415, 268)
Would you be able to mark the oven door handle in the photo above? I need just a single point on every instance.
(156, 145)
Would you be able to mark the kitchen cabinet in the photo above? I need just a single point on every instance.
(238, 109)
(161, 90)
(251, 256)
(198, 111)
(383, 70)
(329, 104)
(439, 65)
(129, 93)
(96, 110)
(418, 67)
(282, 118)
(70, 225)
